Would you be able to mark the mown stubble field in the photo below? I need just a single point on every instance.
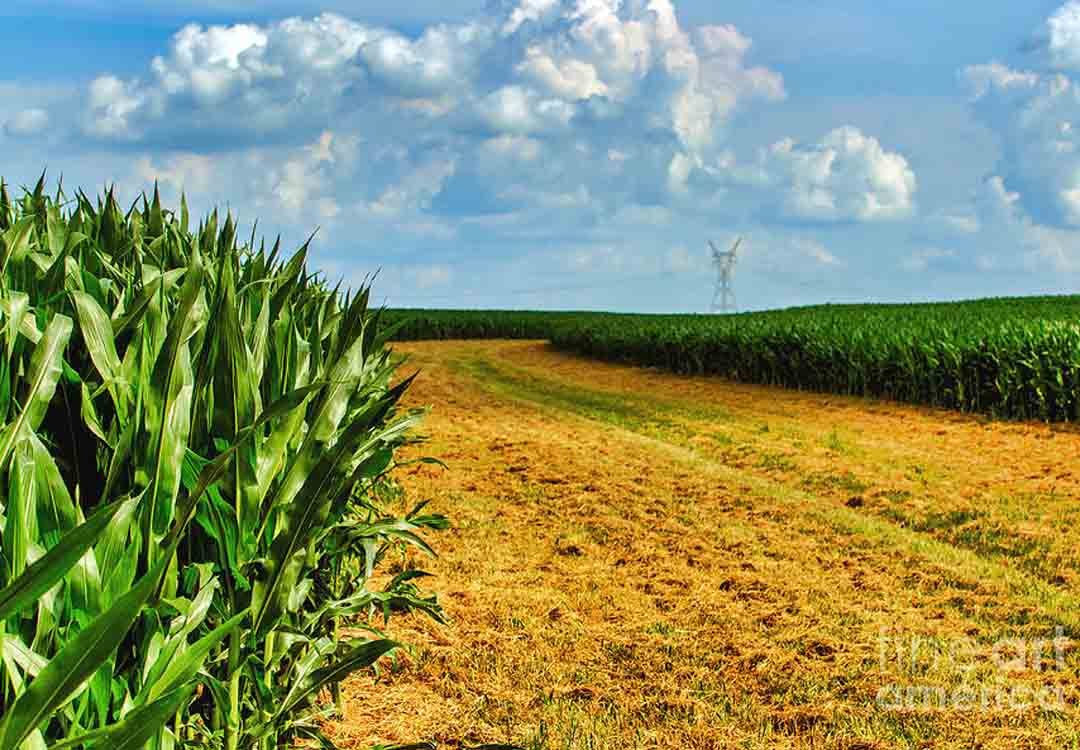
(641, 560)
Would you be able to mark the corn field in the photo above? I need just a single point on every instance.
(195, 455)
(439, 325)
(1010, 358)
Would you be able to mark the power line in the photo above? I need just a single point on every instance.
(724, 295)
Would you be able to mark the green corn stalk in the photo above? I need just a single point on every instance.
(227, 423)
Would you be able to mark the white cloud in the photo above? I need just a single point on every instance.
(238, 79)
(568, 79)
(994, 76)
(1035, 116)
(27, 122)
(1064, 28)
(111, 102)
(533, 66)
(1012, 238)
(599, 126)
(297, 184)
(519, 110)
(413, 192)
(282, 187)
(1054, 248)
(210, 55)
(847, 176)
(1036, 120)
(529, 11)
(679, 171)
(438, 61)
(183, 172)
(532, 106)
(303, 179)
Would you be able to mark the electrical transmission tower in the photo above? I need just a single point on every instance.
(723, 300)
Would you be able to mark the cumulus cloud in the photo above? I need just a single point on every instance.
(518, 110)
(527, 11)
(523, 108)
(244, 79)
(436, 62)
(535, 124)
(533, 66)
(571, 80)
(846, 176)
(1036, 116)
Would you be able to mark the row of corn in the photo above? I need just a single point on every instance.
(195, 440)
(1012, 358)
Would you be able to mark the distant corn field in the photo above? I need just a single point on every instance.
(1010, 358)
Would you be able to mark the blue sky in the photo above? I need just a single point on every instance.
(571, 154)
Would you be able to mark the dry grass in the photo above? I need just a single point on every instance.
(646, 561)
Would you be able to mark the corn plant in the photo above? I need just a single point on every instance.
(196, 437)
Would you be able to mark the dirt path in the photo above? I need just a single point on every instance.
(646, 561)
